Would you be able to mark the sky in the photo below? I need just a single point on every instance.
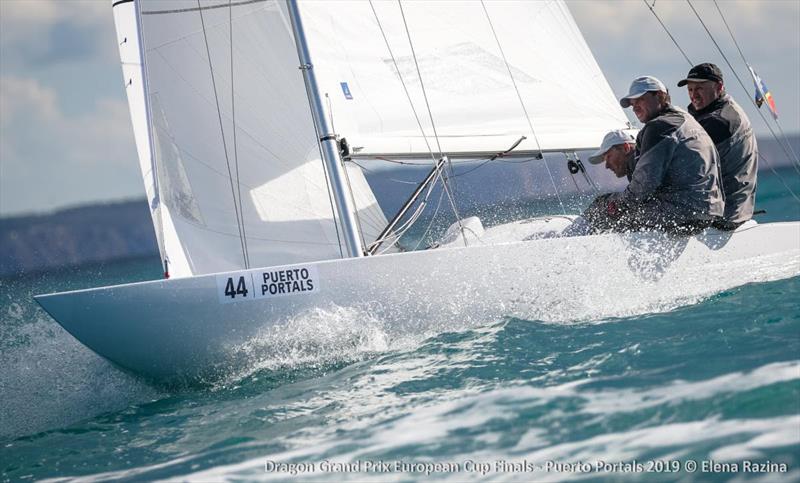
(65, 131)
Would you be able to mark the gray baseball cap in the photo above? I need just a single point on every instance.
(609, 141)
(640, 86)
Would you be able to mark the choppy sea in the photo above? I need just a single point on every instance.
(702, 392)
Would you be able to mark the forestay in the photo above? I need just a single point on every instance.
(568, 103)
(237, 180)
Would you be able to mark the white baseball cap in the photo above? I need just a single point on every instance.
(609, 141)
(639, 87)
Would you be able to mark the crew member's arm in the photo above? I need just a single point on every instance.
(656, 149)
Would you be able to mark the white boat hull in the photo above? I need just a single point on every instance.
(189, 327)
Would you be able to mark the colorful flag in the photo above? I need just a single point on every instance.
(763, 94)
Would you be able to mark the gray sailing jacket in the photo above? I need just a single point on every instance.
(677, 167)
(730, 129)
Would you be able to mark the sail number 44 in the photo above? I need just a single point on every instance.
(259, 284)
(241, 288)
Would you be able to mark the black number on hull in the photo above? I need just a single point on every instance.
(241, 288)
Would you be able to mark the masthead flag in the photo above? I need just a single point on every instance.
(763, 94)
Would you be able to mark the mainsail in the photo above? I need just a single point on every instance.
(491, 71)
(227, 145)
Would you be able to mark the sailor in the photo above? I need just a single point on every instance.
(730, 129)
(674, 182)
(617, 151)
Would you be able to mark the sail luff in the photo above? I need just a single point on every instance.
(131, 49)
(155, 205)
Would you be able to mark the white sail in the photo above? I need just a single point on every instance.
(239, 176)
(132, 70)
(567, 101)
(226, 140)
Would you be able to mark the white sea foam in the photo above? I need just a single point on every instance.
(50, 380)
(318, 337)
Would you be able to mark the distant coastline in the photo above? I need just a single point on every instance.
(76, 236)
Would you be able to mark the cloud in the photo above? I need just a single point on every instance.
(627, 41)
(49, 158)
(20, 98)
(626, 19)
(40, 32)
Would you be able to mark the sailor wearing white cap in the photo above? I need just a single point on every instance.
(617, 152)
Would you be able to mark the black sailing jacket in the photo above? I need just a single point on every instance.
(730, 129)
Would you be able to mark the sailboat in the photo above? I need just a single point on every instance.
(246, 115)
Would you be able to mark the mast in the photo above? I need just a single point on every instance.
(327, 139)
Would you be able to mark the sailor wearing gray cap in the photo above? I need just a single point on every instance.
(675, 184)
(617, 152)
(648, 96)
(641, 86)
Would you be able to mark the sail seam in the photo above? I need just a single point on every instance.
(199, 8)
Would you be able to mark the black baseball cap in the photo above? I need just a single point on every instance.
(701, 73)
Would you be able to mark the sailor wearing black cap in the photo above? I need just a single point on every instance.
(730, 129)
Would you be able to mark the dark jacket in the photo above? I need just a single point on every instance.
(730, 129)
(677, 168)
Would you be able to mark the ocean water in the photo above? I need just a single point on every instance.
(703, 392)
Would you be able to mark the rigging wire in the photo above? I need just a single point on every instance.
(405, 89)
(403, 83)
(585, 173)
(433, 219)
(760, 155)
(355, 205)
(402, 229)
(235, 150)
(780, 178)
(433, 124)
(421, 83)
(222, 133)
(522, 103)
(347, 176)
(667, 31)
(511, 76)
(761, 114)
(334, 212)
(578, 189)
(741, 54)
